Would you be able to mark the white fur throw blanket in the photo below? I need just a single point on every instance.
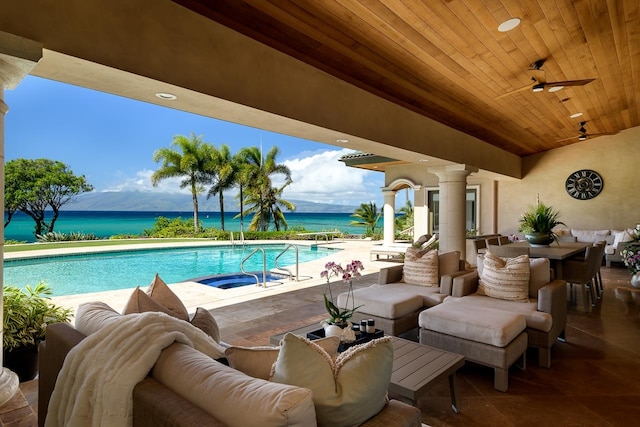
(95, 384)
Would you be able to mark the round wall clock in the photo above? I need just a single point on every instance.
(584, 184)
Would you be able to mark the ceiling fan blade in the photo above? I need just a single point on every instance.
(588, 135)
(569, 83)
(522, 89)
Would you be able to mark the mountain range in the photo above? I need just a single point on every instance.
(167, 202)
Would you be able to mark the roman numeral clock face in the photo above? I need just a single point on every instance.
(584, 184)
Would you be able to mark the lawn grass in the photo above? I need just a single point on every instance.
(90, 243)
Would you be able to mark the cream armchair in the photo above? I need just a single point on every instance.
(545, 313)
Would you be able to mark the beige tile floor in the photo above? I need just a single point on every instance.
(593, 380)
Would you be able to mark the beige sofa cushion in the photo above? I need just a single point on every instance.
(589, 236)
(421, 267)
(535, 319)
(345, 393)
(229, 395)
(474, 323)
(540, 275)
(258, 361)
(92, 316)
(448, 263)
(505, 278)
(204, 320)
(388, 301)
(163, 295)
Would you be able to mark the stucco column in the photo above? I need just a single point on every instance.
(18, 56)
(453, 195)
(420, 213)
(389, 211)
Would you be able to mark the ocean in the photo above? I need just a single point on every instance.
(109, 223)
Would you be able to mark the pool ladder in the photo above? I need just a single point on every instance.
(264, 265)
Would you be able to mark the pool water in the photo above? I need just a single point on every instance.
(236, 280)
(78, 274)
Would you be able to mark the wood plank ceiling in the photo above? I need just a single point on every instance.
(447, 60)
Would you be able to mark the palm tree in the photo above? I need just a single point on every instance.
(222, 174)
(188, 158)
(405, 221)
(265, 200)
(368, 216)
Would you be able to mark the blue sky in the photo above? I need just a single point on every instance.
(111, 140)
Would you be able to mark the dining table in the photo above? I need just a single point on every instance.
(556, 252)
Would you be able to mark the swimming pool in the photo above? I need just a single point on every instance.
(96, 272)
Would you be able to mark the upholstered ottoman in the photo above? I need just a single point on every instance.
(394, 310)
(493, 338)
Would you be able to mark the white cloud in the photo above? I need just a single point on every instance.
(317, 177)
(142, 182)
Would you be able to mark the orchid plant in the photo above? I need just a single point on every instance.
(631, 252)
(349, 273)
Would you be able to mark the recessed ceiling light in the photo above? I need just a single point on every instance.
(342, 141)
(166, 96)
(582, 137)
(574, 115)
(509, 25)
(424, 160)
(555, 88)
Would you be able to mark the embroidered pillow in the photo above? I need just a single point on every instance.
(505, 278)
(421, 267)
(346, 392)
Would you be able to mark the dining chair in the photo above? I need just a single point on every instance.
(508, 251)
(480, 246)
(503, 240)
(582, 272)
(492, 241)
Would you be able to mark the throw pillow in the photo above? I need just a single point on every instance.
(505, 278)
(421, 267)
(258, 361)
(163, 295)
(204, 320)
(140, 302)
(92, 316)
(346, 392)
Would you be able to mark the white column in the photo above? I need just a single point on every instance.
(389, 212)
(420, 213)
(18, 56)
(453, 195)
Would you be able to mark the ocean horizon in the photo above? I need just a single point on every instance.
(109, 223)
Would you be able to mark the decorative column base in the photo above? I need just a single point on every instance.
(9, 385)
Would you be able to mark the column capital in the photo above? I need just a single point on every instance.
(452, 172)
(386, 191)
(18, 56)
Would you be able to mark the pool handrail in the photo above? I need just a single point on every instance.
(264, 267)
(289, 246)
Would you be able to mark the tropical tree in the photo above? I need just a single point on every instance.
(264, 200)
(367, 216)
(405, 220)
(223, 173)
(187, 158)
(31, 186)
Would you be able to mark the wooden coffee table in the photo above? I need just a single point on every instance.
(416, 367)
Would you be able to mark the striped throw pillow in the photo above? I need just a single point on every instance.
(421, 267)
(505, 278)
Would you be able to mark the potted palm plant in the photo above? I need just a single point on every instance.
(26, 316)
(538, 223)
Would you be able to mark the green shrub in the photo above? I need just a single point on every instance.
(56, 236)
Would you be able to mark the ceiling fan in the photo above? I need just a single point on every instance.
(540, 82)
(584, 135)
